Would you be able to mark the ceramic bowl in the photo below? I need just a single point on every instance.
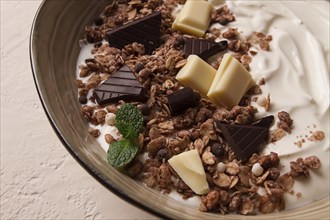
(54, 48)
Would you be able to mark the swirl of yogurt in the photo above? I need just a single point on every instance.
(296, 71)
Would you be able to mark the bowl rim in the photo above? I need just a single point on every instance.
(96, 175)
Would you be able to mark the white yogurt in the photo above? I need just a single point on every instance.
(297, 78)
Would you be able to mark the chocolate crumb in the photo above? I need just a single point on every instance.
(95, 132)
(285, 121)
(83, 99)
(317, 136)
(298, 195)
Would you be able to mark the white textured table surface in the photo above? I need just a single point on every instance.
(39, 179)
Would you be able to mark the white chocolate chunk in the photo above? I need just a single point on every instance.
(188, 165)
(194, 19)
(197, 74)
(231, 82)
(216, 2)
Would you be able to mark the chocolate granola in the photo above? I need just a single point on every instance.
(234, 184)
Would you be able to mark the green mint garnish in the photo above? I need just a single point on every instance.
(122, 152)
(129, 122)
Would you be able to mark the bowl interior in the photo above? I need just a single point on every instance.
(54, 49)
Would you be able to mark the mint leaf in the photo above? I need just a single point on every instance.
(122, 152)
(129, 121)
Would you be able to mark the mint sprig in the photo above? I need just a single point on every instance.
(129, 122)
(120, 153)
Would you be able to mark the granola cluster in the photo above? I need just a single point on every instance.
(235, 185)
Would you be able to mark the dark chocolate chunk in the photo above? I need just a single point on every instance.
(245, 140)
(203, 48)
(145, 110)
(264, 122)
(145, 31)
(182, 99)
(122, 85)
